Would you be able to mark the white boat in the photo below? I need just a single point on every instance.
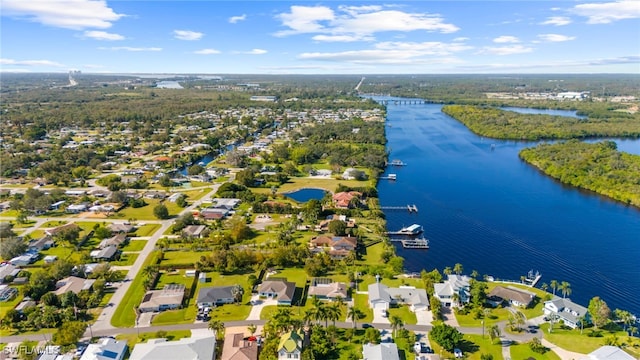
(414, 229)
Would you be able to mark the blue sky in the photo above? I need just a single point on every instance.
(323, 37)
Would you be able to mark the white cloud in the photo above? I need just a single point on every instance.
(187, 35)
(206, 52)
(462, 38)
(506, 39)
(342, 38)
(102, 35)
(68, 14)
(557, 21)
(604, 13)
(394, 53)
(129, 48)
(235, 19)
(252, 52)
(506, 50)
(30, 62)
(555, 37)
(357, 22)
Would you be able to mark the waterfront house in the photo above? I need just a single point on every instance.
(280, 289)
(566, 310)
(290, 346)
(343, 200)
(338, 247)
(237, 347)
(383, 351)
(215, 295)
(106, 348)
(327, 289)
(513, 296)
(608, 352)
(454, 291)
(170, 297)
(191, 348)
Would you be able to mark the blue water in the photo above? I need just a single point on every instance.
(305, 195)
(567, 113)
(204, 160)
(484, 208)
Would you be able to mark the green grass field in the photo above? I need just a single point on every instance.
(135, 245)
(133, 339)
(403, 311)
(147, 229)
(523, 351)
(181, 257)
(572, 340)
(125, 260)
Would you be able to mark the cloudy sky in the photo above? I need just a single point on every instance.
(330, 37)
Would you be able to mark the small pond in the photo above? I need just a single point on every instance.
(304, 195)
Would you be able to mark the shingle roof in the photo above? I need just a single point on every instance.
(290, 342)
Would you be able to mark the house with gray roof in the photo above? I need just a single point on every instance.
(381, 297)
(170, 297)
(383, 351)
(105, 349)
(7, 269)
(104, 254)
(215, 295)
(281, 290)
(608, 352)
(511, 295)
(324, 288)
(74, 284)
(454, 291)
(191, 348)
(566, 310)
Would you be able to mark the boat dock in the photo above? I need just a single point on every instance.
(388, 177)
(409, 207)
(412, 230)
(397, 163)
(415, 244)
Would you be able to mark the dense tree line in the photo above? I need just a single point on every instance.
(598, 167)
(501, 124)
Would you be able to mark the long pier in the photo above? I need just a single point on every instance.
(411, 208)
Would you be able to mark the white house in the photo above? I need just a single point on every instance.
(566, 310)
(383, 351)
(381, 297)
(290, 346)
(454, 291)
(608, 353)
(192, 348)
(105, 349)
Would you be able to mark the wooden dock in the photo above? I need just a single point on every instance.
(388, 177)
(421, 243)
(409, 207)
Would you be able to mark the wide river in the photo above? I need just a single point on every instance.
(481, 206)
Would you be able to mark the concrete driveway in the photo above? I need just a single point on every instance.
(259, 304)
(378, 318)
(424, 317)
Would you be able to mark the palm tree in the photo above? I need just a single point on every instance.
(544, 287)
(354, 314)
(474, 274)
(447, 270)
(252, 329)
(565, 287)
(217, 326)
(237, 291)
(396, 324)
(455, 298)
(494, 332)
(309, 315)
(333, 313)
(282, 319)
(554, 286)
(520, 319)
(458, 269)
(339, 300)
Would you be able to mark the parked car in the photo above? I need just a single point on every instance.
(417, 347)
(428, 350)
(457, 353)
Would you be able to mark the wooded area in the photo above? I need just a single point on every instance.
(597, 167)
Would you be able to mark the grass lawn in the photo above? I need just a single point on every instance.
(194, 195)
(61, 252)
(231, 312)
(473, 346)
(297, 275)
(147, 229)
(145, 212)
(361, 302)
(8, 305)
(181, 257)
(572, 340)
(495, 315)
(296, 183)
(124, 315)
(10, 213)
(125, 260)
(522, 351)
(133, 339)
(135, 245)
(27, 224)
(531, 312)
(402, 311)
(181, 316)
(36, 234)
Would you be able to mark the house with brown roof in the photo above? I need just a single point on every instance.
(74, 284)
(511, 295)
(324, 288)
(115, 240)
(57, 230)
(170, 297)
(194, 231)
(237, 347)
(121, 228)
(342, 200)
(338, 247)
(280, 289)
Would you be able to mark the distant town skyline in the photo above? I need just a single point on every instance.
(330, 37)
